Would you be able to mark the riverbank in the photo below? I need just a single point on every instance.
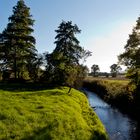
(119, 126)
(117, 93)
(48, 114)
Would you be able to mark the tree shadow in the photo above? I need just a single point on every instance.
(26, 86)
(40, 134)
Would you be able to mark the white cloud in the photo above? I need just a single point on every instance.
(106, 48)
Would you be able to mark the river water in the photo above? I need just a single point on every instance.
(119, 126)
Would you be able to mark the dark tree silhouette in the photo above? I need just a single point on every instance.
(115, 68)
(94, 70)
(63, 63)
(131, 56)
(67, 44)
(131, 59)
(17, 42)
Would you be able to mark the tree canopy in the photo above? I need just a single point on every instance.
(115, 68)
(131, 55)
(94, 70)
(17, 42)
(131, 59)
(19, 58)
(64, 62)
(67, 45)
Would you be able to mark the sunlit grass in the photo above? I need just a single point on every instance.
(48, 114)
(110, 80)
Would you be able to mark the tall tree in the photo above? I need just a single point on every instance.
(115, 69)
(131, 59)
(67, 45)
(95, 69)
(64, 62)
(34, 67)
(131, 56)
(18, 44)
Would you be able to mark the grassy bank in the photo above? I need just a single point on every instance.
(116, 92)
(48, 114)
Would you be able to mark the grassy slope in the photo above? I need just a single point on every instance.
(48, 114)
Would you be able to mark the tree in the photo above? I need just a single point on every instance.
(131, 56)
(114, 69)
(34, 67)
(82, 72)
(131, 59)
(67, 45)
(63, 64)
(18, 45)
(94, 70)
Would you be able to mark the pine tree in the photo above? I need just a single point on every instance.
(64, 62)
(18, 44)
(66, 42)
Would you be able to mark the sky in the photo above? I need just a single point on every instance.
(105, 25)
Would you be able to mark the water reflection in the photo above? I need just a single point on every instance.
(119, 126)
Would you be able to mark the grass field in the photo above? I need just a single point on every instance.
(120, 80)
(48, 115)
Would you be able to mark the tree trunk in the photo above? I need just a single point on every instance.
(15, 65)
(18, 74)
(15, 69)
(69, 89)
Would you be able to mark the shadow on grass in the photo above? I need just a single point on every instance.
(19, 87)
(40, 134)
(44, 134)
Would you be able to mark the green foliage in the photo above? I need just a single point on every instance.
(134, 75)
(67, 44)
(115, 68)
(17, 43)
(34, 67)
(116, 92)
(63, 67)
(131, 59)
(131, 56)
(95, 70)
(48, 114)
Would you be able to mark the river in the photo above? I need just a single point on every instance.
(119, 126)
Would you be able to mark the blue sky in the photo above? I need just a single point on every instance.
(105, 24)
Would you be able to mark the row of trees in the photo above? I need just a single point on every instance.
(19, 58)
(115, 69)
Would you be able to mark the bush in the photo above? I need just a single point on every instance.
(112, 91)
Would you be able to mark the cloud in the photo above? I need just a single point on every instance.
(106, 48)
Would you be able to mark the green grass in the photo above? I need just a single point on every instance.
(48, 115)
(118, 80)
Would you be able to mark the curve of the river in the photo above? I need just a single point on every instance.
(119, 126)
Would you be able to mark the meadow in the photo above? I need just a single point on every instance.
(50, 114)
